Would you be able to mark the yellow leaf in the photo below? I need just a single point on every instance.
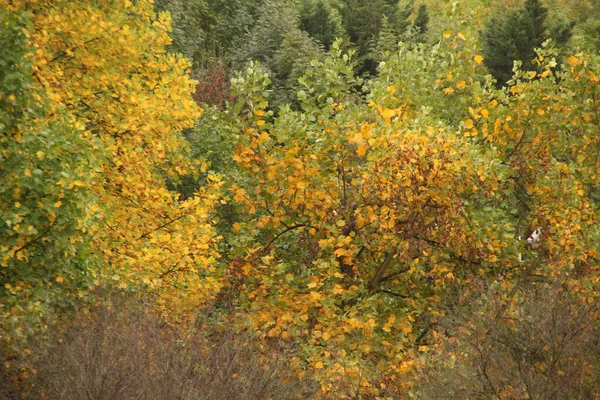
(446, 34)
(76, 183)
(58, 204)
(573, 61)
(448, 90)
(387, 114)
(301, 185)
(316, 296)
(263, 137)
(260, 122)
(362, 149)
(338, 289)
(246, 269)
(239, 194)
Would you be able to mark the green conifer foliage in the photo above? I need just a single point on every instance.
(514, 37)
(364, 22)
(421, 24)
(316, 21)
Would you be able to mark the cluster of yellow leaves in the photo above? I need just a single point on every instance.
(107, 63)
(379, 208)
(385, 210)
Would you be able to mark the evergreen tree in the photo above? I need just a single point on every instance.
(387, 42)
(316, 21)
(364, 22)
(281, 47)
(514, 37)
(421, 24)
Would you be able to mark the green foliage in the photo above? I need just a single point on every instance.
(515, 36)
(207, 31)
(193, 26)
(363, 22)
(421, 23)
(317, 19)
(281, 47)
(47, 166)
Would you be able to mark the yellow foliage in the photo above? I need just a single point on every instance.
(107, 63)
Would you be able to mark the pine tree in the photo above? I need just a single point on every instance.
(421, 24)
(514, 37)
(364, 22)
(315, 20)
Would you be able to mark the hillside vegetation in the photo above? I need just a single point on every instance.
(308, 199)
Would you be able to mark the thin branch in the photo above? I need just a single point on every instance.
(37, 238)
(376, 279)
(291, 228)
(385, 291)
(167, 272)
(160, 227)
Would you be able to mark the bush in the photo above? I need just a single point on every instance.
(540, 344)
(122, 350)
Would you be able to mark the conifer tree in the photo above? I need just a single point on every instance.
(514, 37)
(421, 24)
(316, 21)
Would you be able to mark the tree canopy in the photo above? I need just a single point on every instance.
(368, 201)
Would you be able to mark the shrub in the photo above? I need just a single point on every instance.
(121, 350)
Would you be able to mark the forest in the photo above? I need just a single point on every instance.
(299, 199)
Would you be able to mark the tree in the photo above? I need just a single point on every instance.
(421, 24)
(315, 19)
(194, 25)
(350, 235)
(281, 47)
(113, 91)
(209, 31)
(515, 36)
(363, 23)
(48, 165)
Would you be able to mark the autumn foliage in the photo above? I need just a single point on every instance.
(370, 236)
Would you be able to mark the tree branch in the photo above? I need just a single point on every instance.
(160, 227)
(37, 238)
(290, 228)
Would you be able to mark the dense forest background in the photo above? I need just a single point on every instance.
(299, 199)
